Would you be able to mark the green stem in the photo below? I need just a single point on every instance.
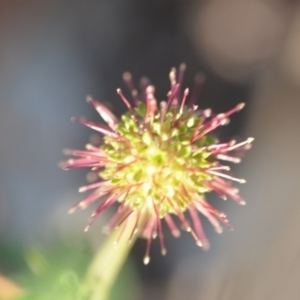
(107, 264)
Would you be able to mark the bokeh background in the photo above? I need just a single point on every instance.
(54, 53)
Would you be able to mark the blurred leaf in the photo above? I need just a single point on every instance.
(55, 271)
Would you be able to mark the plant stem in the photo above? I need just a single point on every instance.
(107, 264)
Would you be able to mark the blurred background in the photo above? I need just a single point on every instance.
(54, 53)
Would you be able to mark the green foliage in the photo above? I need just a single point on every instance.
(56, 271)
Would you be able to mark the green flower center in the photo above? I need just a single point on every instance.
(158, 160)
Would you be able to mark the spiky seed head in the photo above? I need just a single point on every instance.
(159, 161)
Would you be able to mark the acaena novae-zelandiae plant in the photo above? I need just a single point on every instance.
(158, 161)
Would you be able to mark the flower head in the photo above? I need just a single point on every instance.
(158, 161)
